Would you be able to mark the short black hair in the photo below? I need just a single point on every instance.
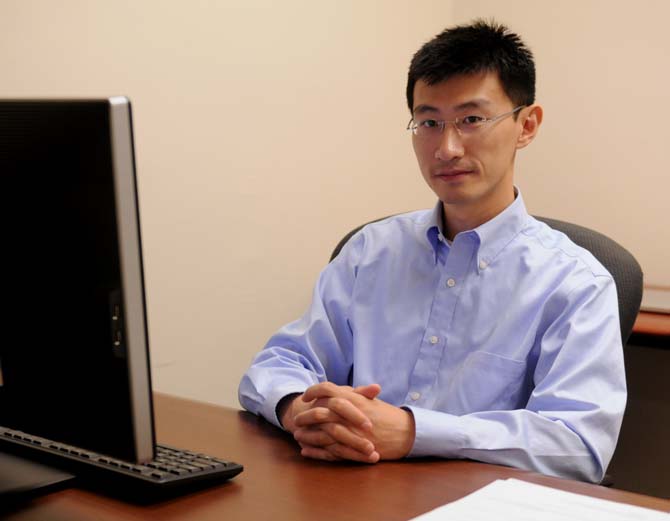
(477, 47)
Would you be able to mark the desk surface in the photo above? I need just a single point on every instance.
(279, 484)
(657, 324)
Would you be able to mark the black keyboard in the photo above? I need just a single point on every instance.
(171, 469)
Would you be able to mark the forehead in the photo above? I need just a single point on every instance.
(480, 89)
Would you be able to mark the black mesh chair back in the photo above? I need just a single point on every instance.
(625, 270)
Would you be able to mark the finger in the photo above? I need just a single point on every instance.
(343, 452)
(314, 437)
(329, 433)
(337, 452)
(325, 390)
(370, 391)
(333, 410)
(349, 412)
(329, 389)
(346, 410)
(345, 436)
(316, 416)
(317, 453)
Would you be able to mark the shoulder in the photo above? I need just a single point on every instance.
(410, 223)
(553, 252)
(556, 246)
(563, 281)
(395, 231)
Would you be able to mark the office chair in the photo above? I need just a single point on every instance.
(621, 264)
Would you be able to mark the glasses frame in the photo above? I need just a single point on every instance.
(441, 124)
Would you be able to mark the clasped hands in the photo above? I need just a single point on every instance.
(334, 422)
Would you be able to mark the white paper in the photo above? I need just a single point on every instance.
(516, 500)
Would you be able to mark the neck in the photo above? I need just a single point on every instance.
(458, 218)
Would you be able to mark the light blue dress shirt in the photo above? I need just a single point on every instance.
(505, 345)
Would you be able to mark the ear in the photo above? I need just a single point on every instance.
(531, 121)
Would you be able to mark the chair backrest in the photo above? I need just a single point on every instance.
(623, 267)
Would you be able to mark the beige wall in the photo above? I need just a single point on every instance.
(603, 79)
(266, 130)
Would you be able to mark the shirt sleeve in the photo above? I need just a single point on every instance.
(315, 348)
(572, 419)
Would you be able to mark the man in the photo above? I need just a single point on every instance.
(467, 331)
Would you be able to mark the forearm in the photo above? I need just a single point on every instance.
(519, 438)
(315, 348)
(268, 381)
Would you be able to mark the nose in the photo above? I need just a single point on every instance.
(450, 145)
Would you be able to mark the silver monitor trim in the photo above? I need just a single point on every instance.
(131, 276)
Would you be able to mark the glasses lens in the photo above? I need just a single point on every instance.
(428, 128)
(470, 124)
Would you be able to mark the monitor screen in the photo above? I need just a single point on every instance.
(74, 362)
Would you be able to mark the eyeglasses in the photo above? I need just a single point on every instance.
(427, 128)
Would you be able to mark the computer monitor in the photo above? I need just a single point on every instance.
(74, 358)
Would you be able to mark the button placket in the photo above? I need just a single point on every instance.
(435, 339)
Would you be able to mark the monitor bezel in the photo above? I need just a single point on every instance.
(132, 276)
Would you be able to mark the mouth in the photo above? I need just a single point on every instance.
(452, 174)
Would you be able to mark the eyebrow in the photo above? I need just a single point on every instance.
(470, 104)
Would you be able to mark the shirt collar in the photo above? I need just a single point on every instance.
(434, 233)
(496, 234)
(493, 235)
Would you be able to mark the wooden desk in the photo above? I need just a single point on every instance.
(279, 484)
(657, 324)
(641, 460)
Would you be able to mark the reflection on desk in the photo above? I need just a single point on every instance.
(657, 324)
(279, 484)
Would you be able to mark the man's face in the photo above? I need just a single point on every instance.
(471, 171)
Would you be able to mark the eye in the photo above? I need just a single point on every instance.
(428, 124)
(472, 121)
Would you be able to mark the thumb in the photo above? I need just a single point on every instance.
(370, 391)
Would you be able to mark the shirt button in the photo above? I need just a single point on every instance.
(483, 264)
(414, 395)
(451, 283)
(433, 340)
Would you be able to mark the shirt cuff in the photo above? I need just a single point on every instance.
(436, 434)
(269, 408)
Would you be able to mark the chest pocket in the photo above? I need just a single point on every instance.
(486, 382)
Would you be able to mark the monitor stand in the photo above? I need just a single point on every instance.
(22, 479)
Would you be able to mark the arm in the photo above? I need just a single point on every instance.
(571, 422)
(316, 348)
